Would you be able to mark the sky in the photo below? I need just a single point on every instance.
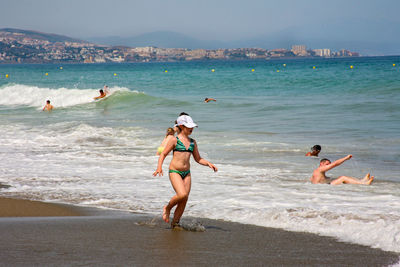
(222, 20)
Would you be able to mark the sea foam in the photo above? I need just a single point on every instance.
(33, 96)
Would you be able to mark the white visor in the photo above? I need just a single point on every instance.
(185, 121)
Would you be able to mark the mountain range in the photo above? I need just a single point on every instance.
(164, 39)
(369, 37)
(52, 38)
(379, 38)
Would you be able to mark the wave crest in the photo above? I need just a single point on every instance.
(33, 96)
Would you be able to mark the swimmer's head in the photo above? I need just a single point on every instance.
(48, 101)
(316, 148)
(183, 113)
(101, 91)
(315, 151)
(170, 131)
(324, 161)
(205, 99)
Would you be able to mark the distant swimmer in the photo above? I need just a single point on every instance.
(325, 165)
(314, 151)
(170, 134)
(48, 106)
(102, 95)
(209, 99)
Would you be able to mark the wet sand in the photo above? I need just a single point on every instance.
(26, 208)
(108, 238)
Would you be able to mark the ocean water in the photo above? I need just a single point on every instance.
(102, 154)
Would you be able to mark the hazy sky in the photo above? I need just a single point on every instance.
(204, 19)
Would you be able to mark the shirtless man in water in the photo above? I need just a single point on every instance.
(102, 94)
(314, 151)
(209, 99)
(48, 106)
(325, 165)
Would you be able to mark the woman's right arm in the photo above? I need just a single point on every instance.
(170, 145)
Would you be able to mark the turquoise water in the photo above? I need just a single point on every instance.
(264, 121)
(345, 110)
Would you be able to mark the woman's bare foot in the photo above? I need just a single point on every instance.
(370, 180)
(165, 214)
(366, 177)
(175, 225)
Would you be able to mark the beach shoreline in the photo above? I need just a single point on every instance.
(58, 234)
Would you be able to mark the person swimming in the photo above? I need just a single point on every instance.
(209, 99)
(314, 151)
(170, 134)
(179, 169)
(48, 106)
(102, 95)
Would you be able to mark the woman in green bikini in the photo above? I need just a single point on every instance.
(179, 168)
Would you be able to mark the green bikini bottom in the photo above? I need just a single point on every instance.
(183, 174)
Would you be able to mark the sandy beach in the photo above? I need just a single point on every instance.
(25, 208)
(61, 235)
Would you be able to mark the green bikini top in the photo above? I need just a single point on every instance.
(181, 147)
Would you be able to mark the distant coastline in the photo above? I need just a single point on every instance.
(21, 46)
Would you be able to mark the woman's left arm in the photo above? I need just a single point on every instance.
(200, 160)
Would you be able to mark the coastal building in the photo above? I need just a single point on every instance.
(27, 47)
(196, 54)
(99, 59)
(279, 52)
(325, 52)
(216, 54)
(299, 50)
(88, 60)
(170, 54)
(346, 53)
(255, 53)
(143, 51)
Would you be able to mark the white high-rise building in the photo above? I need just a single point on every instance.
(299, 50)
(325, 52)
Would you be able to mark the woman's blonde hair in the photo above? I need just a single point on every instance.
(170, 131)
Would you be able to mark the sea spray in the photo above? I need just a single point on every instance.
(33, 96)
